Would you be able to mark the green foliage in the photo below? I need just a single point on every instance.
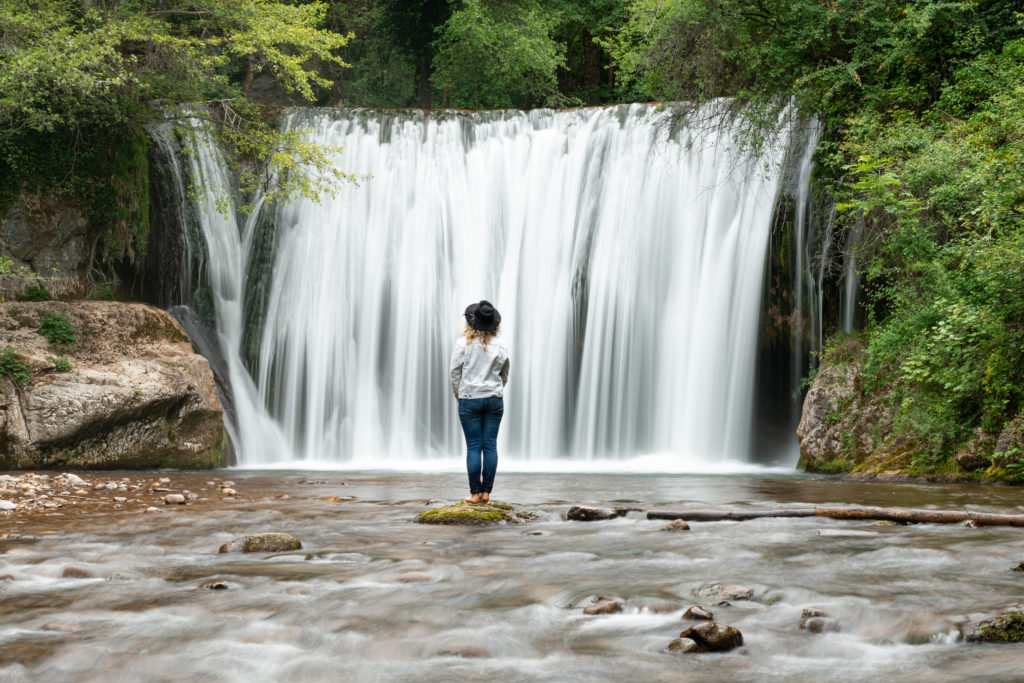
(57, 329)
(34, 293)
(60, 362)
(78, 83)
(14, 366)
(499, 55)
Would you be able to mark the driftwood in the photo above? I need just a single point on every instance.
(903, 515)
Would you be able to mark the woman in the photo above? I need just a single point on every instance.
(479, 372)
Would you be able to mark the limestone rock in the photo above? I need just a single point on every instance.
(138, 395)
(714, 637)
(1009, 446)
(1005, 627)
(492, 512)
(262, 543)
(48, 236)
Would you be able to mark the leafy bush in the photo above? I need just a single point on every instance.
(34, 293)
(57, 329)
(15, 366)
(60, 362)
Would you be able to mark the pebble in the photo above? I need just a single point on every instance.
(111, 485)
(120, 499)
(7, 505)
(152, 509)
(192, 496)
(174, 499)
(229, 492)
(73, 479)
(165, 480)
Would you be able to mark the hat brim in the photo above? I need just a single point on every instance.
(482, 325)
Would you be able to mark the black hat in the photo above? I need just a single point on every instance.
(483, 316)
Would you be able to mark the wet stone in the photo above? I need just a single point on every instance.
(6, 577)
(713, 636)
(604, 606)
(262, 543)
(61, 627)
(820, 625)
(1005, 627)
(684, 646)
(589, 513)
(809, 612)
(698, 613)
(75, 573)
(152, 509)
(174, 499)
(492, 512)
(215, 585)
(676, 525)
(724, 592)
(1019, 567)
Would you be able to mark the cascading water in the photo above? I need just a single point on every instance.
(625, 254)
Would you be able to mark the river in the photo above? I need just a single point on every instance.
(373, 596)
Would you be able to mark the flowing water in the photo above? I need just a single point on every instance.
(625, 252)
(372, 596)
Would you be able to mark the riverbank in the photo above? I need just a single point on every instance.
(373, 596)
(847, 427)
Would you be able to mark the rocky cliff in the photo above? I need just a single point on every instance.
(128, 392)
(846, 429)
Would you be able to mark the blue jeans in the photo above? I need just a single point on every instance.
(480, 418)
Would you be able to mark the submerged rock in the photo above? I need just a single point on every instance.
(1005, 627)
(698, 613)
(724, 592)
(714, 637)
(262, 543)
(492, 512)
(76, 573)
(676, 525)
(819, 625)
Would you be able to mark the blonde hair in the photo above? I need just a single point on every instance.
(470, 334)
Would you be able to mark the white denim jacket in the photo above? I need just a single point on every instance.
(479, 373)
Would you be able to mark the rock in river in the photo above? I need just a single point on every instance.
(589, 513)
(698, 613)
(676, 525)
(685, 645)
(724, 591)
(262, 543)
(714, 637)
(462, 512)
(1005, 627)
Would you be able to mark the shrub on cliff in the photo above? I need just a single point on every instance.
(15, 367)
(57, 329)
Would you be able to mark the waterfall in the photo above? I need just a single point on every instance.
(625, 252)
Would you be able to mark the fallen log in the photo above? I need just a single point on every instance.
(902, 515)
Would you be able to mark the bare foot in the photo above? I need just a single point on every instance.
(485, 497)
(473, 498)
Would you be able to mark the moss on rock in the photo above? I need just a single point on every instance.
(492, 512)
(1007, 627)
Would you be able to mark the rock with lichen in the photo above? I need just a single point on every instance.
(1005, 627)
(492, 512)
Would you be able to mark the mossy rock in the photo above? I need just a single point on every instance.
(1008, 627)
(492, 512)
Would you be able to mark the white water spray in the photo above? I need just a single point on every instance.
(626, 258)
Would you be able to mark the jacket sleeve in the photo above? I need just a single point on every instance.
(504, 372)
(455, 368)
